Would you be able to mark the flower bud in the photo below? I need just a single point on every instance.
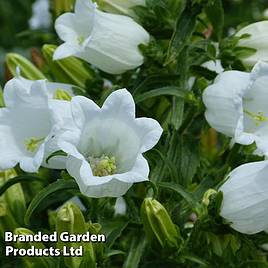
(70, 219)
(123, 7)
(59, 7)
(27, 69)
(70, 70)
(37, 260)
(257, 39)
(158, 225)
(14, 195)
(207, 195)
(2, 103)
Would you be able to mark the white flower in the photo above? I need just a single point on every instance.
(120, 6)
(105, 149)
(108, 41)
(29, 123)
(237, 106)
(41, 16)
(214, 66)
(120, 206)
(258, 40)
(245, 199)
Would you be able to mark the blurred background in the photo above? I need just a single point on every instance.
(29, 23)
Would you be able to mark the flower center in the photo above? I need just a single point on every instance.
(102, 166)
(81, 39)
(61, 94)
(32, 144)
(258, 118)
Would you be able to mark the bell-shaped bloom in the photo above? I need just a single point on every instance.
(258, 40)
(104, 151)
(236, 105)
(29, 123)
(108, 41)
(124, 7)
(245, 199)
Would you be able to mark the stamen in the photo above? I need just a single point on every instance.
(32, 144)
(259, 117)
(102, 166)
(81, 40)
(61, 94)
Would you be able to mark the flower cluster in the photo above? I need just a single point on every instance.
(236, 105)
(104, 146)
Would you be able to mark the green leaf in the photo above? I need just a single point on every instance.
(177, 112)
(18, 179)
(57, 153)
(184, 29)
(203, 72)
(169, 90)
(215, 13)
(60, 185)
(135, 252)
(113, 229)
(179, 190)
(188, 160)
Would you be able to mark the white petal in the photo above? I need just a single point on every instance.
(258, 40)
(149, 131)
(111, 32)
(120, 104)
(138, 173)
(245, 199)
(83, 109)
(214, 66)
(66, 50)
(10, 151)
(223, 101)
(120, 207)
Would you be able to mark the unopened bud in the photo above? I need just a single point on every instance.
(158, 225)
(69, 70)
(27, 69)
(70, 219)
(207, 195)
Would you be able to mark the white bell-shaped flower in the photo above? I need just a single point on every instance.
(108, 41)
(124, 7)
(245, 199)
(105, 149)
(236, 105)
(258, 40)
(29, 123)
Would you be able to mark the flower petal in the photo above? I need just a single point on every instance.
(245, 200)
(149, 131)
(223, 101)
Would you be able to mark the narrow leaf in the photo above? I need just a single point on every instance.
(179, 190)
(22, 178)
(173, 91)
(60, 185)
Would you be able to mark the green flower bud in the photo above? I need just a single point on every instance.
(124, 7)
(158, 226)
(14, 196)
(207, 195)
(27, 69)
(70, 219)
(59, 7)
(7, 221)
(69, 70)
(2, 103)
(33, 261)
